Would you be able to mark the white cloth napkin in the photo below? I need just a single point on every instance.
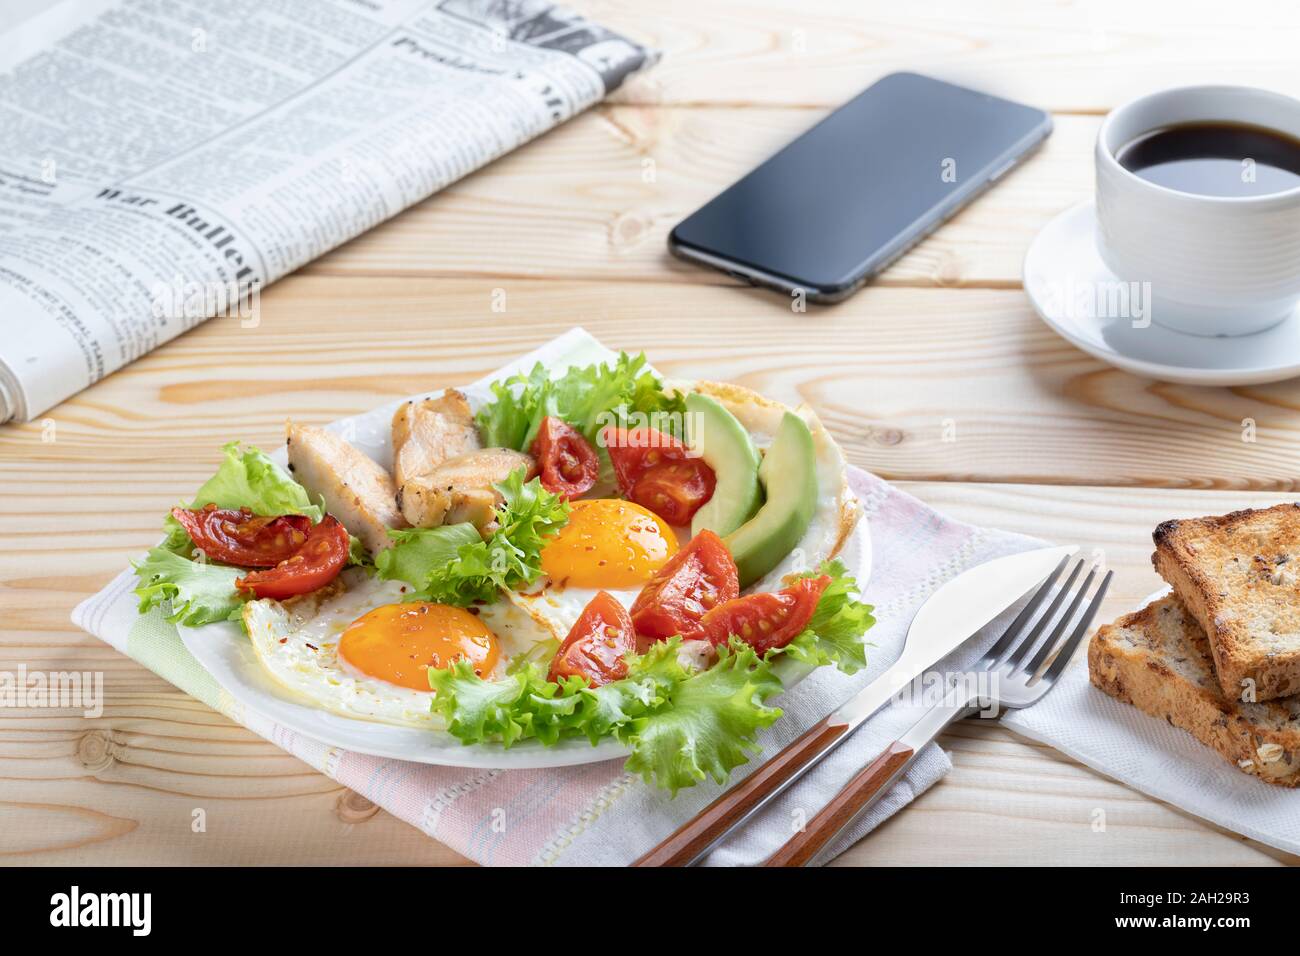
(1158, 759)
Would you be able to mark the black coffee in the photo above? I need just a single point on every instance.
(1215, 159)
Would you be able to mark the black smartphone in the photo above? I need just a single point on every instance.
(852, 194)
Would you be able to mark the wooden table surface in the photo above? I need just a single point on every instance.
(572, 227)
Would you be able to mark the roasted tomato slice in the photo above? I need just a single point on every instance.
(658, 472)
(241, 537)
(595, 647)
(700, 576)
(568, 463)
(312, 566)
(765, 621)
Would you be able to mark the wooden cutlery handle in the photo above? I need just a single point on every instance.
(833, 817)
(718, 817)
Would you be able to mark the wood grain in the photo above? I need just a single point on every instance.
(596, 199)
(1045, 440)
(953, 384)
(1066, 56)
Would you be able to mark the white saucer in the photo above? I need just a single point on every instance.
(1063, 259)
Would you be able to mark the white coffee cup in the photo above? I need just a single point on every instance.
(1216, 265)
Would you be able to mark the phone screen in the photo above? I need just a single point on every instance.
(848, 196)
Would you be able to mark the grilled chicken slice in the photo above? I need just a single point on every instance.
(460, 489)
(427, 433)
(356, 490)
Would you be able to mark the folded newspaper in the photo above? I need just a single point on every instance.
(160, 162)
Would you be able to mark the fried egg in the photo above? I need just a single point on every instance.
(364, 652)
(609, 545)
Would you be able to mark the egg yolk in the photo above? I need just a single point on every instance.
(608, 543)
(398, 643)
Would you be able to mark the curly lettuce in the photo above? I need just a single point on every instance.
(682, 726)
(195, 592)
(588, 398)
(198, 592)
(835, 632)
(454, 564)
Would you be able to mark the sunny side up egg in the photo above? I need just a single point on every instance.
(607, 545)
(364, 653)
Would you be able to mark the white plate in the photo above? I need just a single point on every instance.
(224, 650)
(1063, 259)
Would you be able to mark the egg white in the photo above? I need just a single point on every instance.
(297, 646)
(555, 610)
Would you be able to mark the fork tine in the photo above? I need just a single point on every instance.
(1027, 612)
(1030, 640)
(1061, 626)
(1067, 649)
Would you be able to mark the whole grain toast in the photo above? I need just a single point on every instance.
(1239, 575)
(1158, 660)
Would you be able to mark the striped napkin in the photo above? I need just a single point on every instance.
(598, 814)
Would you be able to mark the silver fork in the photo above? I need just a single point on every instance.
(1016, 679)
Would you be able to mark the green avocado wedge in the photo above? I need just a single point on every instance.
(726, 447)
(789, 478)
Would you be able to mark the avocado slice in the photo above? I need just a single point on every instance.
(789, 477)
(727, 448)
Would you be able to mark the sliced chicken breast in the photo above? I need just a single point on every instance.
(356, 490)
(427, 433)
(460, 489)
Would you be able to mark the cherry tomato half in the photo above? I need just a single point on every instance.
(569, 465)
(675, 490)
(658, 472)
(700, 576)
(314, 565)
(633, 450)
(765, 621)
(595, 647)
(242, 538)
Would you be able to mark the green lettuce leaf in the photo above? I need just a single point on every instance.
(835, 632)
(477, 709)
(682, 727)
(708, 724)
(588, 398)
(247, 478)
(199, 593)
(455, 565)
(417, 551)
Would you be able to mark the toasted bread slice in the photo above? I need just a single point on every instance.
(1239, 575)
(1158, 660)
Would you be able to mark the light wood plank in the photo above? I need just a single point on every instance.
(597, 198)
(894, 373)
(1085, 55)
